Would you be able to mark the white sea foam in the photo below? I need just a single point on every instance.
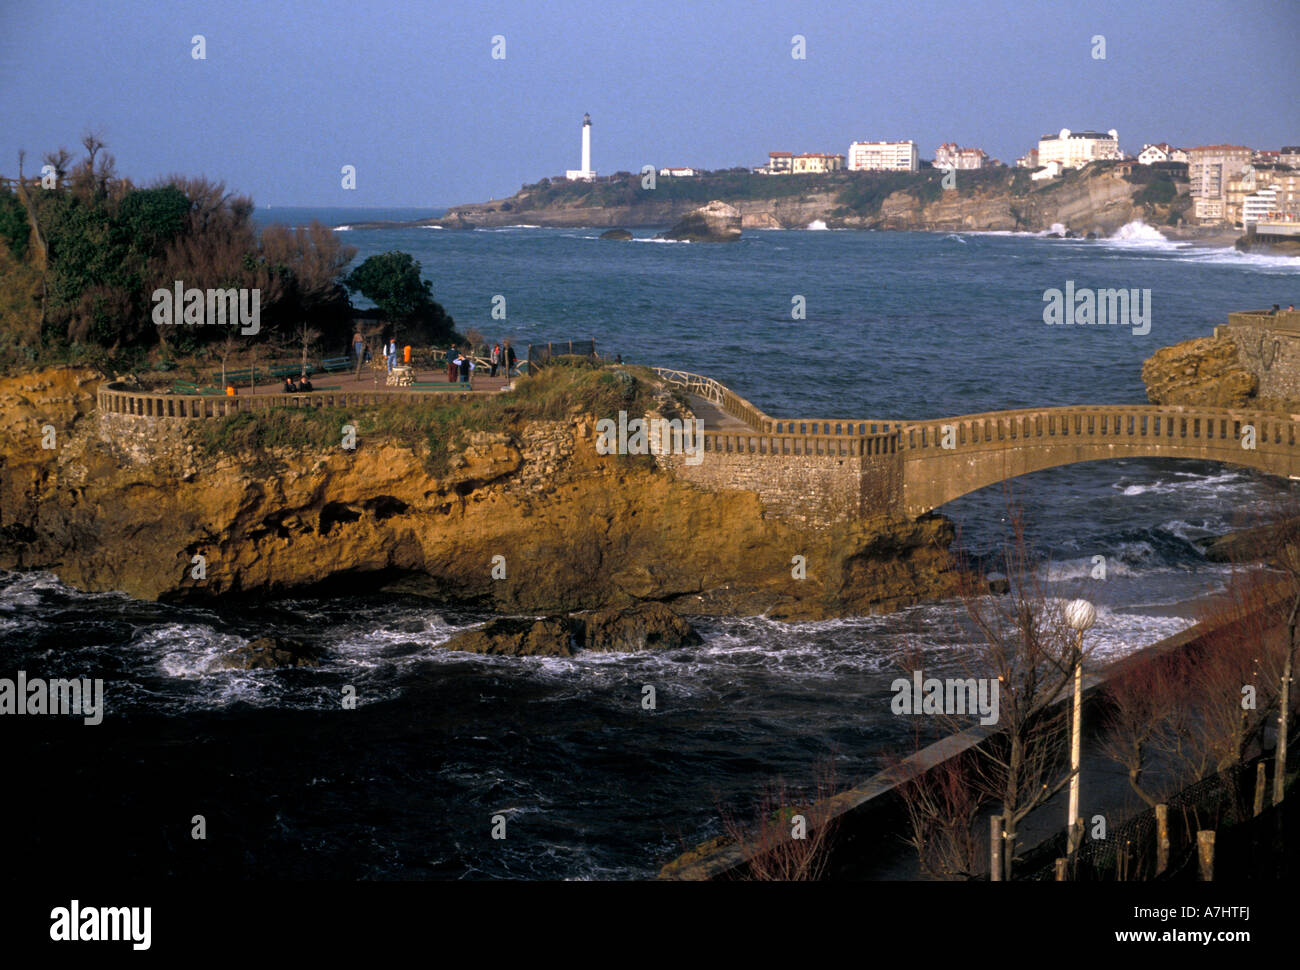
(342, 228)
(1137, 231)
(817, 224)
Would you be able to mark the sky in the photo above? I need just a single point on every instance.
(410, 94)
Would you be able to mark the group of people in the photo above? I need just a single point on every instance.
(502, 356)
(460, 366)
(361, 351)
(1277, 310)
(300, 386)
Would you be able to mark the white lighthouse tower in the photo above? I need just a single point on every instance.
(584, 174)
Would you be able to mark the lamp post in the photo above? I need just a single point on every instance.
(1081, 615)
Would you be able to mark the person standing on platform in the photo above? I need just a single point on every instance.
(452, 371)
(495, 359)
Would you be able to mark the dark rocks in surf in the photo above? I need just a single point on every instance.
(647, 626)
(269, 652)
(514, 637)
(618, 235)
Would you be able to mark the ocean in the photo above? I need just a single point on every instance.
(895, 326)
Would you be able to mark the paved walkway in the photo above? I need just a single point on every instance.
(715, 419)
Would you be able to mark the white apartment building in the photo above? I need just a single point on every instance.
(1257, 206)
(883, 156)
(680, 173)
(1074, 149)
(949, 155)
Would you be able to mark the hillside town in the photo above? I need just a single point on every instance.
(1229, 185)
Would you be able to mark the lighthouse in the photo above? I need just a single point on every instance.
(584, 174)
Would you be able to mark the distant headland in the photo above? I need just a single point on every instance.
(1098, 198)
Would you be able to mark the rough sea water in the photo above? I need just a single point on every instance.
(897, 325)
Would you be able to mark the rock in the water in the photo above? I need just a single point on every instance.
(516, 637)
(648, 626)
(268, 652)
(1261, 543)
(620, 235)
(715, 222)
(1205, 371)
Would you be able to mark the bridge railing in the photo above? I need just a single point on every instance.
(719, 394)
(757, 443)
(735, 405)
(111, 400)
(1109, 423)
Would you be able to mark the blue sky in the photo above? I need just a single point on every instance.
(410, 94)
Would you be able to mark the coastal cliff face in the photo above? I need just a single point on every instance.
(1253, 361)
(1095, 202)
(126, 503)
(1206, 371)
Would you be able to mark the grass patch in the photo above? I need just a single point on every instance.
(566, 388)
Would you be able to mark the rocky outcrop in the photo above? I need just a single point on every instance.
(715, 222)
(514, 637)
(649, 626)
(269, 652)
(617, 235)
(128, 503)
(1206, 371)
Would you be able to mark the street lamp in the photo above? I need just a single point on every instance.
(1081, 615)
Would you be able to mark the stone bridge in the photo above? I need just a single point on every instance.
(819, 470)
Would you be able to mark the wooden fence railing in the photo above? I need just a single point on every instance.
(111, 400)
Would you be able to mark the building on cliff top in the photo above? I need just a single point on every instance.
(807, 163)
(948, 155)
(883, 156)
(1075, 149)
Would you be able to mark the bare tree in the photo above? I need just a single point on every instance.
(791, 837)
(1143, 699)
(942, 807)
(59, 161)
(1028, 648)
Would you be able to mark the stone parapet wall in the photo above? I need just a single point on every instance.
(1271, 353)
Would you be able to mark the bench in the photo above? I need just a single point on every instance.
(238, 376)
(331, 364)
(290, 370)
(189, 387)
(439, 386)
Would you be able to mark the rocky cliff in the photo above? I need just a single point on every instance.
(1090, 201)
(119, 502)
(1252, 361)
(1206, 371)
